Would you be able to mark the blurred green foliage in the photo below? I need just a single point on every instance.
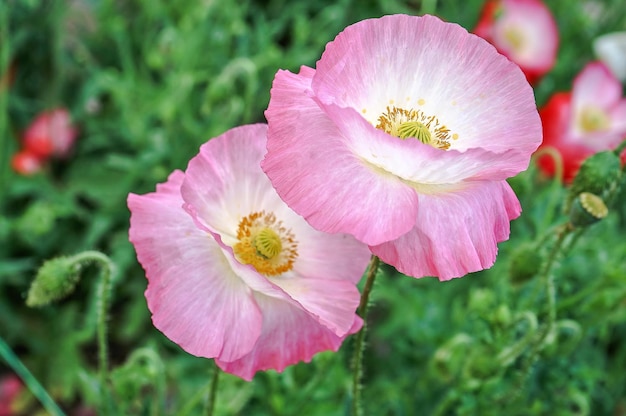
(147, 82)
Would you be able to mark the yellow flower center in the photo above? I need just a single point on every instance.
(593, 120)
(405, 124)
(265, 244)
(515, 39)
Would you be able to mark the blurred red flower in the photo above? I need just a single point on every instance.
(26, 162)
(10, 389)
(50, 134)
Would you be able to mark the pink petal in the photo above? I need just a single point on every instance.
(332, 303)
(324, 181)
(436, 67)
(455, 233)
(595, 86)
(618, 119)
(195, 297)
(330, 256)
(290, 335)
(230, 164)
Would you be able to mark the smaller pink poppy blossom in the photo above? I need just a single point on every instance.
(404, 136)
(589, 119)
(50, 134)
(522, 30)
(26, 163)
(233, 273)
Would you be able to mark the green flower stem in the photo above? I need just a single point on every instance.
(550, 289)
(107, 269)
(29, 380)
(210, 403)
(556, 158)
(508, 355)
(359, 346)
(208, 393)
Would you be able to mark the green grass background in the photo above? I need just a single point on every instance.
(148, 82)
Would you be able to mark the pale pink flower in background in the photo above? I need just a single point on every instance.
(50, 134)
(590, 119)
(598, 108)
(233, 273)
(403, 137)
(523, 30)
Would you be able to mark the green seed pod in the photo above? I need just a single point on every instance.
(525, 263)
(587, 209)
(55, 279)
(598, 174)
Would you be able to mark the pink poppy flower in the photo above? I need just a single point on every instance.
(590, 119)
(522, 30)
(403, 137)
(51, 133)
(233, 273)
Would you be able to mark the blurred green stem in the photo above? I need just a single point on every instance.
(29, 380)
(556, 184)
(359, 345)
(209, 392)
(210, 403)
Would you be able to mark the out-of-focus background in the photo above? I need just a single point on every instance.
(145, 83)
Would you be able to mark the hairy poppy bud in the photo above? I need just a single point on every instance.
(55, 279)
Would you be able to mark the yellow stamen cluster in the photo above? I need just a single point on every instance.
(265, 244)
(403, 124)
(593, 120)
(515, 39)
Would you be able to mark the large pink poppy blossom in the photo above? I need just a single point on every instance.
(589, 119)
(403, 137)
(233, 273)
(522, 30)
